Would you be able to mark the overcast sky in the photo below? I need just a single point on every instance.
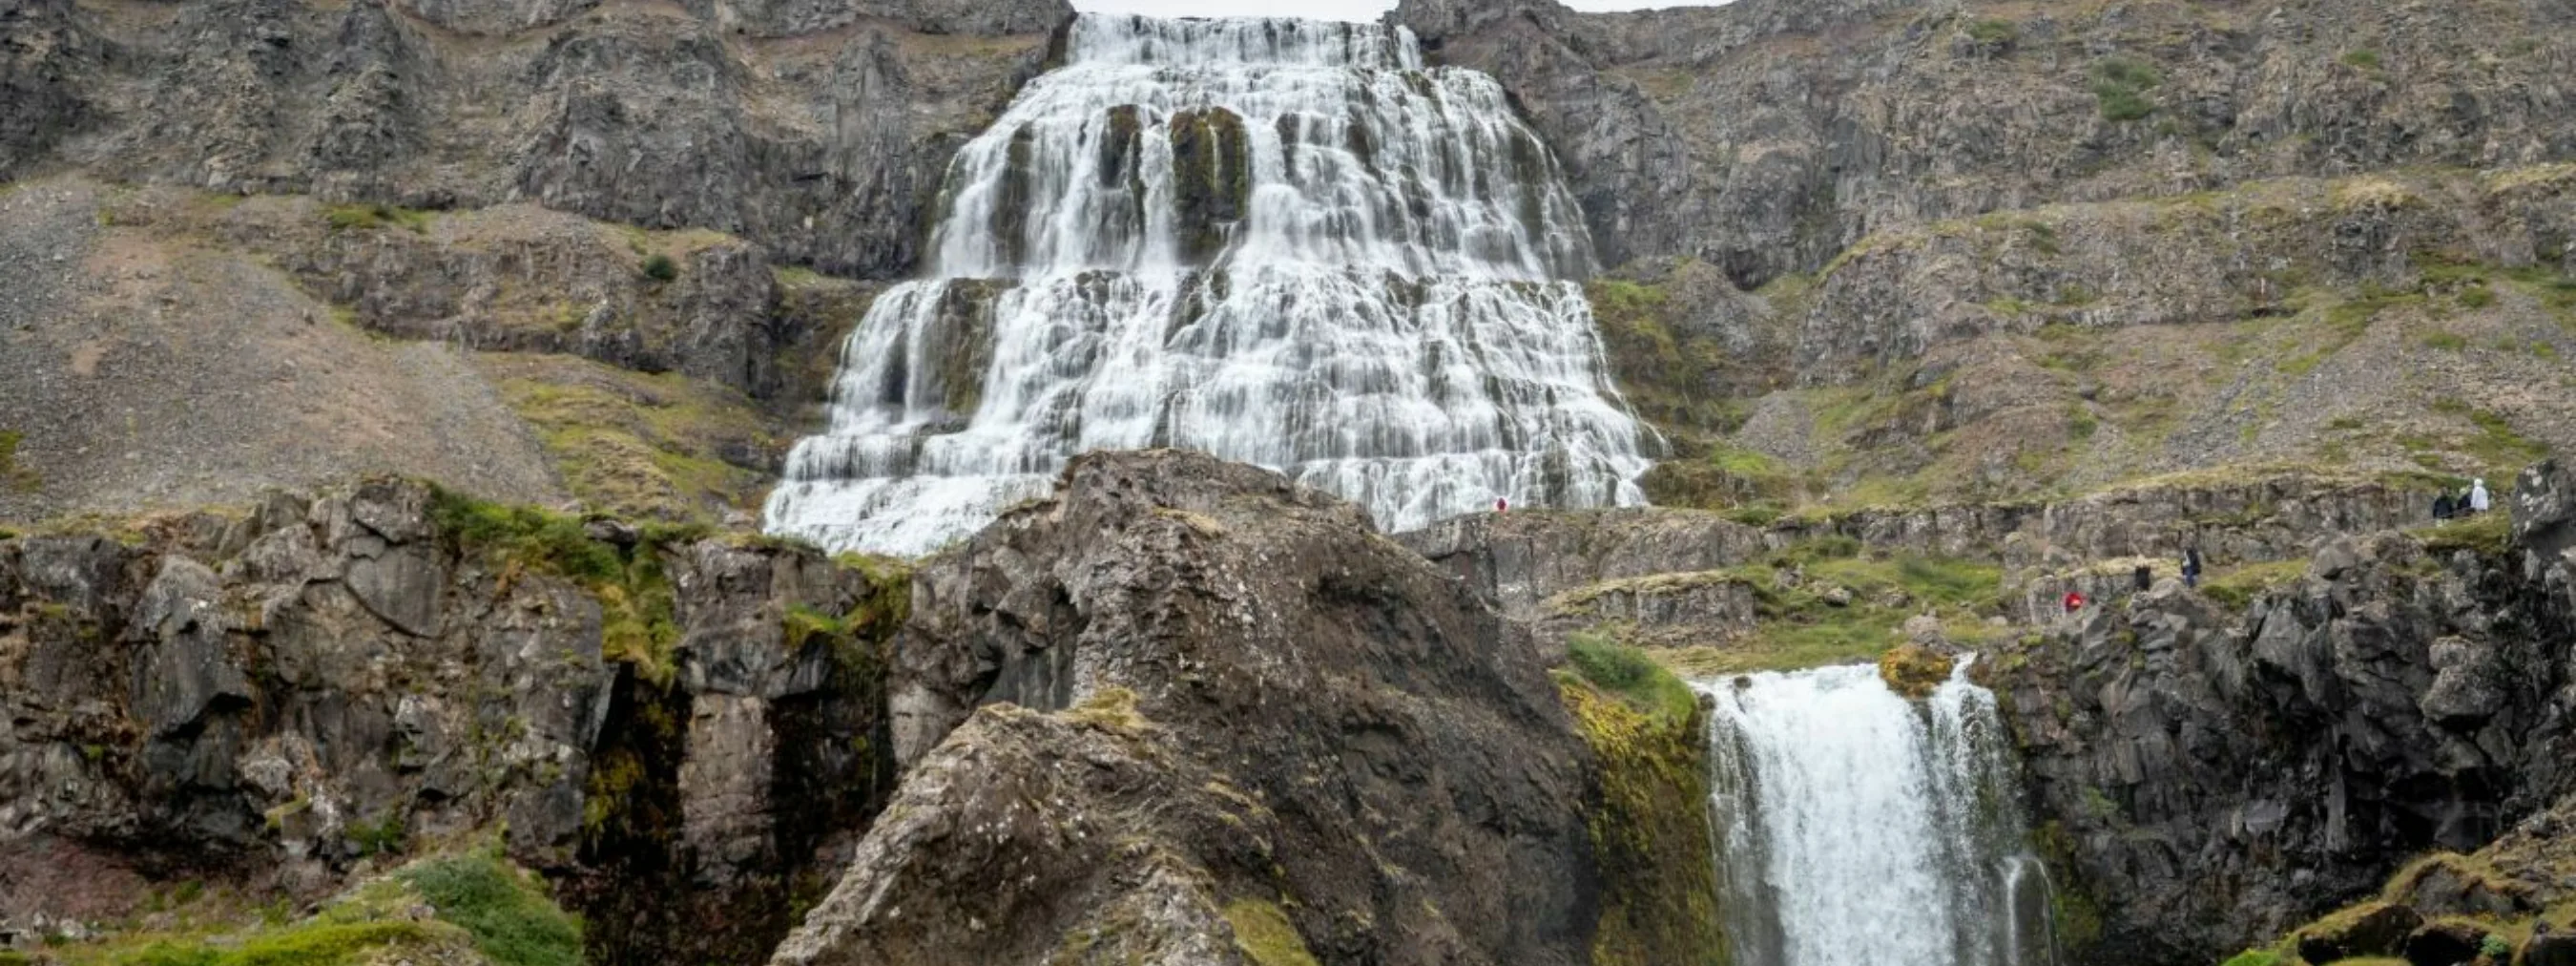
(1322, 9)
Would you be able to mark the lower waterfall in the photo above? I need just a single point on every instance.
(1857, 828)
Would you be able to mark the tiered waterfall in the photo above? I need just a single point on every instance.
(1282, 242)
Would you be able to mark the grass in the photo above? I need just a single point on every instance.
(1802, 627)
(2362, 58)
(1627, 673)
(1265, 935)
(637, 623)
(2237, 588)
(2489, 534)
(1994, 31)
(635, 445)
(511, 919)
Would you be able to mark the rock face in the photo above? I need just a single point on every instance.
(274, 698)
(1188, 712)
(2209, 781)
(1768, 135)
(816, 128)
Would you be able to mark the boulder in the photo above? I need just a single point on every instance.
(2449, 942)
(2549, 949)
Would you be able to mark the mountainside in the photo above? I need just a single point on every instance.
(390, 391)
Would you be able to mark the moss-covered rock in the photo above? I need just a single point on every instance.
(1211, 178)
(1913, 670)
(1650, 824)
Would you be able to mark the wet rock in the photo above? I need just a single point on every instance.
(2449, 943)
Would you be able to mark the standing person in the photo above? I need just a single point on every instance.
(1502, 505)
(2478, 502)
(2074, 601)
(2443, 508)
(2191, 567)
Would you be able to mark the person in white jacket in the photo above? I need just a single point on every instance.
(2478, 502)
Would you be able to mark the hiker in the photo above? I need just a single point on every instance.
(2478, 502)
(1502, 505)
(2191, 567)
(2443, 508)
(2143, 579)
(2074, 601)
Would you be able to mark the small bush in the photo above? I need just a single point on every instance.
(512, 922)
(1628, 673)
(1994, 31)
(2446, 341)
(2496, 947)
(2363, 59)
(2120, 85)
(660, 267)
(2477, 296)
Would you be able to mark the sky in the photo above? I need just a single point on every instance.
(1320, 9)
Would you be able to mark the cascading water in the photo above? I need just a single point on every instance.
(1281, 242)
(1857, 828)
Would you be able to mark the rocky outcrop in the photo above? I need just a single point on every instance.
(816, 129)
(1187, 711)
(2209, 780)
(280, 698)
(1766, 137)
(1522, 560)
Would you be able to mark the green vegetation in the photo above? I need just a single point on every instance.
(2362, 58)
(638, 446)
(511, 919)
(476, 900)
(1663, 375)
(2120, 85)
(1265, 935)
(368, 217)
(635, 599)
(1650, 828)
(2489, 534)
(2446, 341)
(2237, 588)
(1994, 32)
(13, 476)
(2255, 957)
(1820, 603)
(1628, 674)
(660, 268)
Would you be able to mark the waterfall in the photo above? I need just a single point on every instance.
(1282, 242)
(1857, 828)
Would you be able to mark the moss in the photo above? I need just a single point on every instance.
(2120, 85)
(1994, 31)
(2236, 589)
(1662, 375)
(641, 446)
(1914, 671)
(1649, 829)
(637, 609)
(369, 217)
(2487, 534)
(1211, 177)
(12, 475)
(1112, 710)
(2362, 58)
(1265, 934)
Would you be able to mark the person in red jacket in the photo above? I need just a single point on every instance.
(2074, 601)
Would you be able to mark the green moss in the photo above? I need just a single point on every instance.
(1649, 829)
(13, 476)
(2237, 588)
(511, 919)
(2256, 957)
(1265, 934)
(2363, 58)
(637, 609)
(635, 445)
(309, 944)
(2445, 341)
(1994, 31)
(2488, 534)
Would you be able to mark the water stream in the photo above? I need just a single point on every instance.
(1857, 828)
(1282, 242)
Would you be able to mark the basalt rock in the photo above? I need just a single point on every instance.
(2216, 778)
(285, 698)
(1187, 711)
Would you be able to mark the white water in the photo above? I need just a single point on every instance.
(1391, 315)
(1857, 828)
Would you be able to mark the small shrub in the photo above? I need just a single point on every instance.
(660, 267)
(1994, 31)
(512, 922)
(2120, 85)
(2496, 948)
(1628, 673)
(2477, 296)
(2446, 341)
(2361, 58)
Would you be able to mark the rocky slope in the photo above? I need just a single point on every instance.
(817, 129)
(675, 729)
